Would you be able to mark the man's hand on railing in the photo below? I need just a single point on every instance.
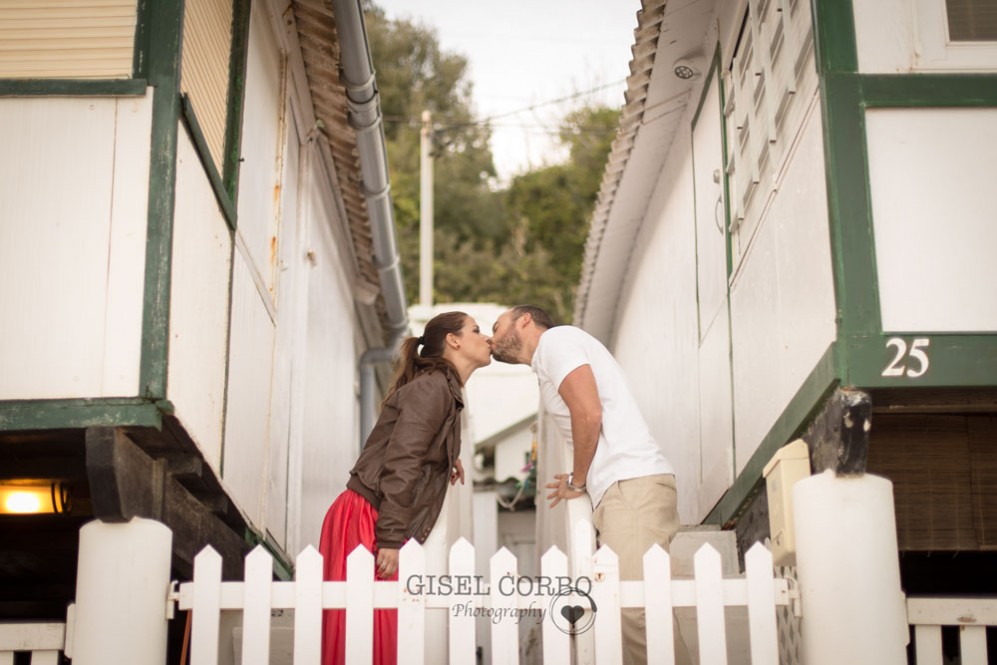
(561, 490)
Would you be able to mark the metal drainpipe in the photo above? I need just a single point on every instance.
(365, 117)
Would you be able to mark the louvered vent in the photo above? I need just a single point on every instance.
(59, 39)
(207, 49)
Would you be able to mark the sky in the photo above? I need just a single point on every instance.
(526, 53)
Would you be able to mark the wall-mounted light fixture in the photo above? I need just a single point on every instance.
(686, 69)
(33, 497)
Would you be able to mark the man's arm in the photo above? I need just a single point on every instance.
(580, 394)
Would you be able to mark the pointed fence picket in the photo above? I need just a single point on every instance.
(592, 582)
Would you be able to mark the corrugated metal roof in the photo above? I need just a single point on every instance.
(667, 31)
(316, 27)
(649, 21)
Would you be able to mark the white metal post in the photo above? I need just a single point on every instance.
(849, 571)
(123, 580)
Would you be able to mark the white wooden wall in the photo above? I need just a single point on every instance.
(782, 311)
(73, 197)
(905, 36)
(246, 455)
(932, 202)
(199, 305)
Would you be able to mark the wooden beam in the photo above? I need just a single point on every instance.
(125, 482)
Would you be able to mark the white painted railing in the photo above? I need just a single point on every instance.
(592, 595)
(972, 615)
(43, 640)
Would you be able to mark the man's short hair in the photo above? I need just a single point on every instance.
(540, 317)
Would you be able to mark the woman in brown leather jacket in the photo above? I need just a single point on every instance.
(397, 487)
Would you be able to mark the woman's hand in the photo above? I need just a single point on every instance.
(387, 563)
(457, 473)
(561, 491)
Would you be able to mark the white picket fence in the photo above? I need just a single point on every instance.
(758, 591)
(43, 640)
(971, 615)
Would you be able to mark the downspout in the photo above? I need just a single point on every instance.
(365, 117)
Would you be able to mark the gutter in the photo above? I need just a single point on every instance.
(363, 103)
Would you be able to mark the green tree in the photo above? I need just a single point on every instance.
(522, 244)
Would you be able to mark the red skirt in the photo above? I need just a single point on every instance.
(350, 522)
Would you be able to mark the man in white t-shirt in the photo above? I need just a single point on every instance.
(616, 460)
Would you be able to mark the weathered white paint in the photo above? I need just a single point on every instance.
(330, 419)
(933, 208)
(716, 427)
(934, 51)
(287, 354)
(782, 302)
(58, 39)
(126, 260)
(199, 305)
(71, 245)
(263, 133)
(884, 36)
(657, 342)
(247, 422)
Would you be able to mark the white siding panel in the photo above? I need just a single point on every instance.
(55, 229)
(126, 267)
(329, 436)
(884, 35)
(247, 419)
(782, 302)
(59, 39)
(289, 353)
(715, 415)
(933, 173)
(656, 342)
(262, 134)
(199, 297)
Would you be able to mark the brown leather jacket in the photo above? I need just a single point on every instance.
(405, 464)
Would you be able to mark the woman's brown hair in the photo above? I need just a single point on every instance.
(412, 360)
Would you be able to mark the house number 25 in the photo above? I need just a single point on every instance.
(911, 363)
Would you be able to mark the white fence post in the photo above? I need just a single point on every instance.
(360, 612)
(256, 601)
(849, 571)
(412, 603)
(308, 608)
(123, 577)
(710, 607)
(462, 623)
(606, 595)
(206, 608)
(658, 607)
(505, 632)
(554, 565)
(761, 605)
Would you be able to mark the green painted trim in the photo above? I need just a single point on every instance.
(134, 87)
(236, 97)
(849, 207)
(76, 413)
(954, 360)
(208, 162)
(934, 90)
(794, 418)
(166, 22)
(834, 36)
(140, 54)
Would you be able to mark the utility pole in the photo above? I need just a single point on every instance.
(426, 212)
